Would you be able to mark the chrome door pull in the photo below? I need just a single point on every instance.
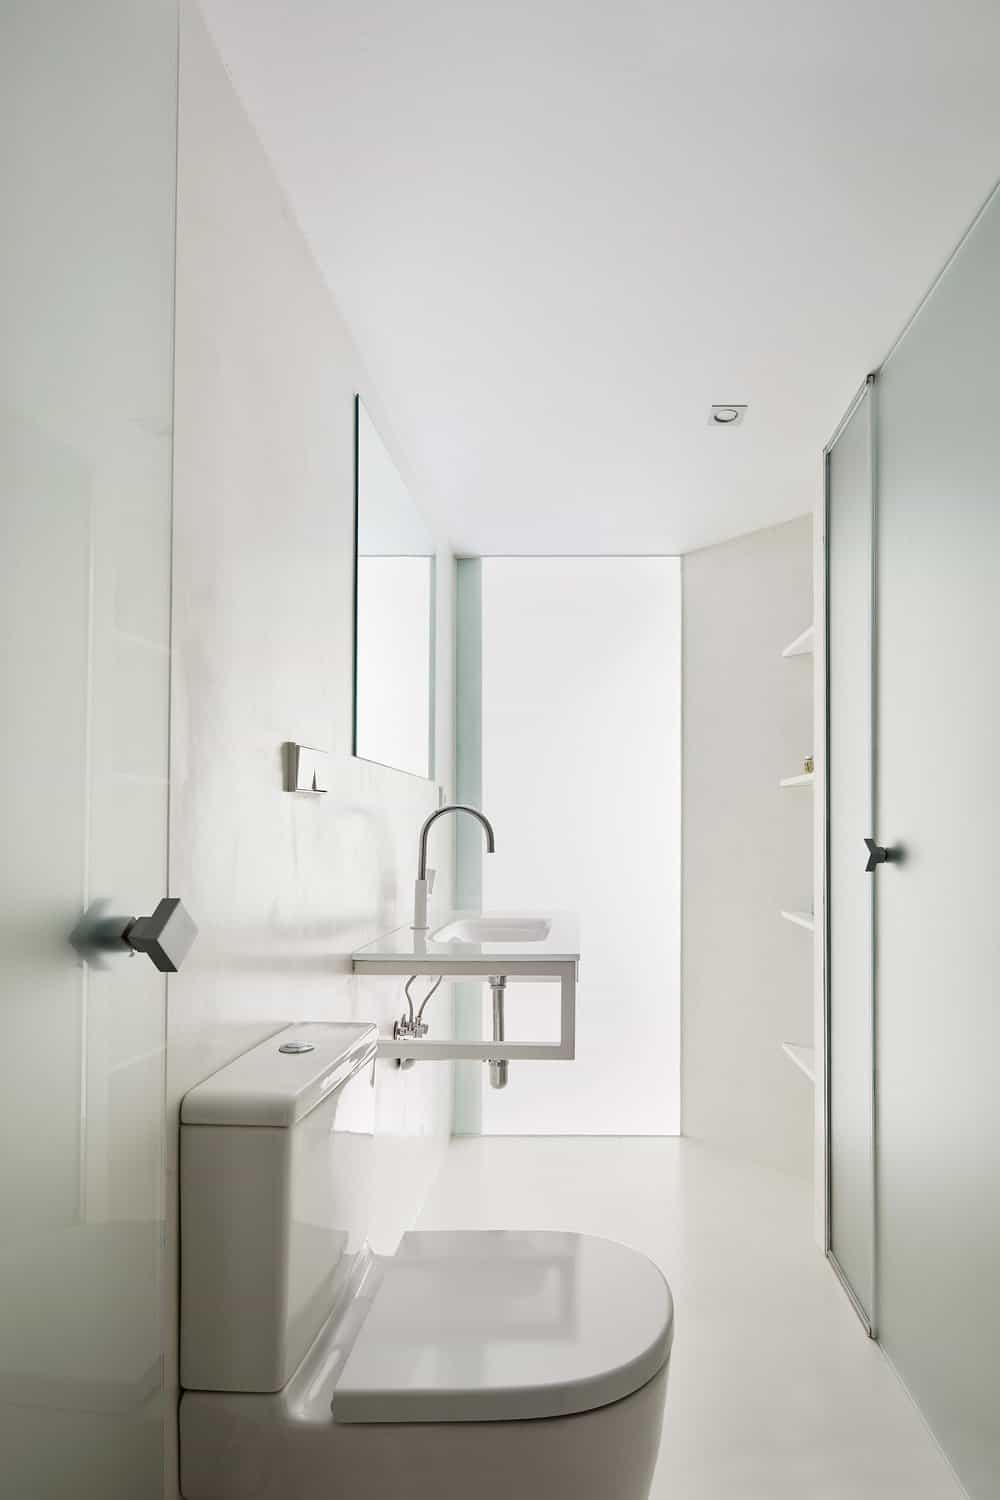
(166, 936)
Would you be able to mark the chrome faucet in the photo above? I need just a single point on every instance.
(425, 878)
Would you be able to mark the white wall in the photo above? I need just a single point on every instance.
(283, 887)
(581, 747)
(748, 721)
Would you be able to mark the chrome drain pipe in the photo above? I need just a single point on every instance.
(499, 1068)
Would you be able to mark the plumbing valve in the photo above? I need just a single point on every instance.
(405, 1030)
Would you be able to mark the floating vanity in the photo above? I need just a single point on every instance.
(481, 945)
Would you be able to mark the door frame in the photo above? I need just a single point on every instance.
(868, 389)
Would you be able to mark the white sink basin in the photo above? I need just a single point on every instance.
(522, 946)
(494, 930)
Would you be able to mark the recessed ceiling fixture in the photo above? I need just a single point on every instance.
(729, 415)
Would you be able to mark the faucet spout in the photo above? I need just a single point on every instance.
(421, 888)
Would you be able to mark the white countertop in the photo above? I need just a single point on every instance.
(560, 945)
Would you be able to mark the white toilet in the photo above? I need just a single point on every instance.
(468, 1366)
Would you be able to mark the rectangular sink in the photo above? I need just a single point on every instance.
(521, 946)
(466, 943)
(494, 930)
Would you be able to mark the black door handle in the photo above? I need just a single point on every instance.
(877, 855)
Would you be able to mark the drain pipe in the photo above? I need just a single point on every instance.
(499, 1067)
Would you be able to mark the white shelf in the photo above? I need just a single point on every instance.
(802, 644)
(806, 778)
(801, 919)
(804, 1059)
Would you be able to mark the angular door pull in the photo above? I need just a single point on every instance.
(166, 936)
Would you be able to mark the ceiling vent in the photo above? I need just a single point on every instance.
(729, 415)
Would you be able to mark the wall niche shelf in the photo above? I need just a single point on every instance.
(804, 1058)
(805, 778)
(801, 919)
(803, 644)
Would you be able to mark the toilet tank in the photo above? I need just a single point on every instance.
(275, 1185)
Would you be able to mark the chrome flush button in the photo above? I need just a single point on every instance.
(730, 415)
(297, 1047)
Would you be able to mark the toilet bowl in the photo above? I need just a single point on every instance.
(467, 1366)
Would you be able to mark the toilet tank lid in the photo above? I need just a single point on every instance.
(279, 1081)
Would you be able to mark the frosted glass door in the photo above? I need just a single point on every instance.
(849, 890)
(86, 316)
(938, 926)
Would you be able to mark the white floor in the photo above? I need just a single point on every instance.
(774, 1391)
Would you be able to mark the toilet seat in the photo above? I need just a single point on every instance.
(429, 1378)
(491, 1326)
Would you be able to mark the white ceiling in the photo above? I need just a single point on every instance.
(561, 229)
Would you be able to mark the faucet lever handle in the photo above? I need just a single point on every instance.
(430, 881)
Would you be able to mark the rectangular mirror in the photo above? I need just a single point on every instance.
(393, 612)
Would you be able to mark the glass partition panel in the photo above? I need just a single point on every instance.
(938, 936)
(849, 889)
(88, 166)
(394, 614)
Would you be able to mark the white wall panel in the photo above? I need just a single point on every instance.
(748, 981)
(284, 887)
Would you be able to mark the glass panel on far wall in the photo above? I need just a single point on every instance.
(394, 614)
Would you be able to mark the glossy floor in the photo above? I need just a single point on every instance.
(775, 1393)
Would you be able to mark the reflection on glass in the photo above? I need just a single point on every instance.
(86, 387)
(394, 614)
